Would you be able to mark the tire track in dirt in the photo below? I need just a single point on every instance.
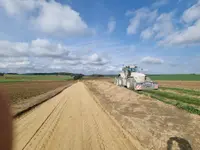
(27, 125)
(71, 120)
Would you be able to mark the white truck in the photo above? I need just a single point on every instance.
(131, 78)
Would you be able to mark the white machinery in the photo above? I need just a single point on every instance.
(132, 79)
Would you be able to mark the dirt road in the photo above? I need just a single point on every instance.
(71, 120)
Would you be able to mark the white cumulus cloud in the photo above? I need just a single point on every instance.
(152, 60)
(55, 18)
(42, 55)
(95, 59)
(36, 48)
(147, 33)
(17, 7)
(111, 25)
(49, 17)
(142, 14)
(192, 13)
(43, 48)
(166, 31)
(13, 49)
(190, 34)
(162, 27)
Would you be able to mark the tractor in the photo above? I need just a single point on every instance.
(131, 78)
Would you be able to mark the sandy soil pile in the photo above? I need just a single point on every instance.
(156, 125)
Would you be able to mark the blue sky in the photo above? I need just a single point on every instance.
(99, 36)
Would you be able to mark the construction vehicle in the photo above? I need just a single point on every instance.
(131, 78)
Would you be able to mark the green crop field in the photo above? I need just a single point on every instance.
(178, 104)
(182, 98)
(183, 77)
(178, 77)
(23, 78)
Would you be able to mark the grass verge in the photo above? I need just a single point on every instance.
(181, 90)
(181, 98)
(180, 105)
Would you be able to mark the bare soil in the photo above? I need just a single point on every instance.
(73, 120)
(156, 125)
(26, 104)
(21, 91)
(99, 115)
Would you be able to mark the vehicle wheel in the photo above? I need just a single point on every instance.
(119, 82)
(116, 82)
(129, 85)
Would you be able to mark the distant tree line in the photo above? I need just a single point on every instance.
(74, 75)
(111, 75)
(101, 75)
(12, 73)
(2, 74)
(52, 73)
(97, 75)
(77, 76)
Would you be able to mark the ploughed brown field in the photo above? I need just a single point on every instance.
(23, 90)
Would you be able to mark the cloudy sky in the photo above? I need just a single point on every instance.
(99, 36)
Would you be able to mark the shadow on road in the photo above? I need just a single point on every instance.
(181, 143)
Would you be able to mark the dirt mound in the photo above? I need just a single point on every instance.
(156, 125)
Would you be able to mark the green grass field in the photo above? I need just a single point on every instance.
(186, 99)
(183, 77)
(174, 77)
(178, 104)
(182, 90)
(23, 78)
(178, 97)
